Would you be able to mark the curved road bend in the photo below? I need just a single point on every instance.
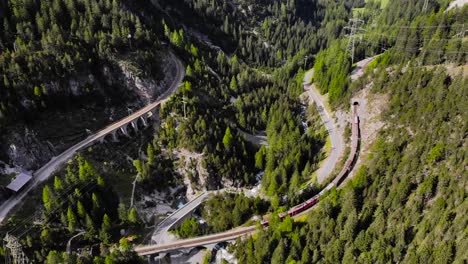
(337, 141)
(46, 171)
(160, 234)
(238, 232)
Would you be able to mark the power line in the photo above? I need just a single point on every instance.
(65, 192)
(90, 184)
(417, 49)
(423, 39)
(415, 27)
(354, 27)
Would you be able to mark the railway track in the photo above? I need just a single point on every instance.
(295, 211)
(48, 169)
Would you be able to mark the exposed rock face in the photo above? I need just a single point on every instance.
(146, 89)
(77, 86)
(190, 166)
(22, 147)
(74, 87)
(27, 151)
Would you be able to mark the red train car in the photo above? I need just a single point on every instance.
(343, 173)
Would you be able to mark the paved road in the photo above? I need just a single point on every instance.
(46, 171)
(160, 234)
(361, 66)
(337, 141)
(239, 232)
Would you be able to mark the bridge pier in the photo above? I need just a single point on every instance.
(101, 140)
(143, 119)
(135, 124)
(124, 130)
(153, 114)
(114, 136)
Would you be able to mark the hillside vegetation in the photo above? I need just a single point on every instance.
(45, 44)
(245, 62)
(408, 204)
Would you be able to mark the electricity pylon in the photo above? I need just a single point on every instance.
(426, 4)
(14, 248)
(354, 26)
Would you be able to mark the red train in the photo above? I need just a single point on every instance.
(355, 138)
(296, 210)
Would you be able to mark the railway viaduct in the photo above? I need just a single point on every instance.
(210, 240)
(122, 125)
(245, 231)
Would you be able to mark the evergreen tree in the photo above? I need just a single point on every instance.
(47, 198)
(71, 220)
(133, 216)
(227, 139)
(105, 229)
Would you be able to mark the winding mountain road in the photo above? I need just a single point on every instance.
(330, 162)
(160, 234)
(336, 138)
(48, 169)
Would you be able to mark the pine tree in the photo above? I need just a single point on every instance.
(58, 184)
(233, 84)
(91, 230)
(227, 139)
(193, 50)
(100, 182)
(133, 216)
(71, 220)
(189, 71)
(105, 228)
(80, 209)
(150, 153)
(46, 198)
(122, 210)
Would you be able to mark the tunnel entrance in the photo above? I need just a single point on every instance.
(356, 103)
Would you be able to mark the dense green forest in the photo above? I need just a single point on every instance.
(408, 203)
(237, 210)
(79, 200)
(245, 62)
(243, 97)
(428, 38)
(44, 44)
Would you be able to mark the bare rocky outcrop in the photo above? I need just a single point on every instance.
(457, 4)
(191, 168)
(371, 107)
(27, 151)
(23, 145)
(146, 89)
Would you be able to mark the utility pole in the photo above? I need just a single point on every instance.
(14, 248)
(185, 102)
(133, 189)
(354, 26)
(461, 35)
(426, 3)
(129, 37)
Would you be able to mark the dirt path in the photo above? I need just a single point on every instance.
(258, 139)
